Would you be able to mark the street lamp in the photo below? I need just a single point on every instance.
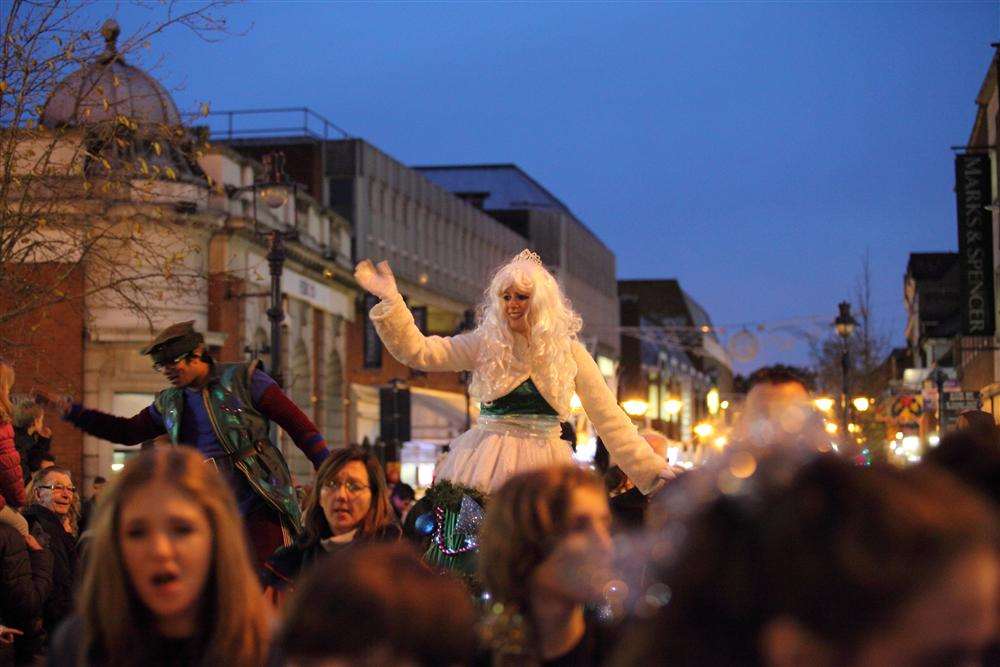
(635, 407)
(845, 325)
(273, 189)
(823, 403)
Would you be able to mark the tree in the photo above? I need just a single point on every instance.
(867, 348)
(91, 169)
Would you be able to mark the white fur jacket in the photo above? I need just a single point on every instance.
(400, 335)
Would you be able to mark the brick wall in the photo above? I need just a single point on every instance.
(46, 348)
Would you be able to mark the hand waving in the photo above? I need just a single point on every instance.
(51, 400)
(376, 279)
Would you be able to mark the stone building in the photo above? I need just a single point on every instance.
(202, 212)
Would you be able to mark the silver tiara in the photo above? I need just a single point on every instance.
(529, 256)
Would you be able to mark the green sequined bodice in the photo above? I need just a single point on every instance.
(525, 399)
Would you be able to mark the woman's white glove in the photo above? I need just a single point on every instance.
(377, 279)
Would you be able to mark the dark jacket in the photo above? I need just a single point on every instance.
(64, 563)
(25, 579)
(284, 566)
(32, 447)
(25, 583)
(67, 646)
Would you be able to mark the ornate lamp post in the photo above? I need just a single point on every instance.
(273, 189)
(845, 325)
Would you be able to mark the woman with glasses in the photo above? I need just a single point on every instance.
(51, 513)
(348, 504)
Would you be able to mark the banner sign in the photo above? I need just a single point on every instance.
(975, 243)
(372, 343)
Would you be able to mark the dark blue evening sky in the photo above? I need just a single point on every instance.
(753, 151)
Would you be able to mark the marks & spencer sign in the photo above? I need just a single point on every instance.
(975, 243)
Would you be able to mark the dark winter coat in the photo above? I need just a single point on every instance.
(25, 583)
(11, 477)
(25, 579)
(31, 447)
(285, 565)
(64, 563)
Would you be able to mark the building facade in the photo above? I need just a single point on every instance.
(977, 348)
(187, 231)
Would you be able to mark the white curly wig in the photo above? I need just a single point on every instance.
(552, 322)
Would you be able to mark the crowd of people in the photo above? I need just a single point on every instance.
(810, 560)
(780, 551)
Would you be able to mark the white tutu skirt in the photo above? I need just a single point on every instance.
(497, 448)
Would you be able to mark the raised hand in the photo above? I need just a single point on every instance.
(50, 400)
(376, 279)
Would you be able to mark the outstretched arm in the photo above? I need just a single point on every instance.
(399, 333)
(122, 430)
(627, 448)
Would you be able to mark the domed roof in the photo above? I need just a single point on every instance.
(107, 88)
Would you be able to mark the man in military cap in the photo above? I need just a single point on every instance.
(224, 410)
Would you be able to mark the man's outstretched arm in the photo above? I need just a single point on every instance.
(122, 430)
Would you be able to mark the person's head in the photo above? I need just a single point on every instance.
(978, 423)
(777, 382)
(168, 557)
(28, 415)
(53, 489)
(402, 498)
(179, 353)
(392, 471)
(973, 456)
(523, 296)
(99, 483)
(779, 374)
(834, 565)
(6, 383)
(778, 411)
(546, 533)
(386, 607)
(349, 494)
